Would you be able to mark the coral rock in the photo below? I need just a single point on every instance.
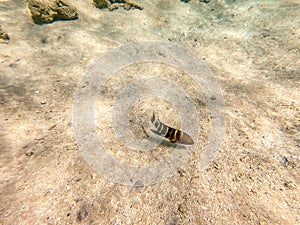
(47, 11)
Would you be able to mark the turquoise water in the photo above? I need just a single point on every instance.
(251, 175)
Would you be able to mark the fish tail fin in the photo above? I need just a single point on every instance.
(153, 119)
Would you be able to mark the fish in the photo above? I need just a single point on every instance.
(173, 135)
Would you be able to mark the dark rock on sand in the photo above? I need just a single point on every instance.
(4, 38)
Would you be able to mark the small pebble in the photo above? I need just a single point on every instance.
(29, 153)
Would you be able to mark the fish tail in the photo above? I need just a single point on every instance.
(153, 118)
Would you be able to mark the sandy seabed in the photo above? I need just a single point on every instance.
(252, 47)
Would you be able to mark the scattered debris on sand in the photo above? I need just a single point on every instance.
(115, 4)
(48, 11)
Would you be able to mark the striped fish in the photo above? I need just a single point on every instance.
(172, 134)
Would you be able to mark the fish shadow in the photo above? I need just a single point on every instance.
(165, 143)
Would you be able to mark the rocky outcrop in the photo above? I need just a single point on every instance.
(47, 11)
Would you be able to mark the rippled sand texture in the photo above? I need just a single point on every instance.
(253, 49)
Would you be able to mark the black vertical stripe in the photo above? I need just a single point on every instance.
(178, 135)
(170, 133)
